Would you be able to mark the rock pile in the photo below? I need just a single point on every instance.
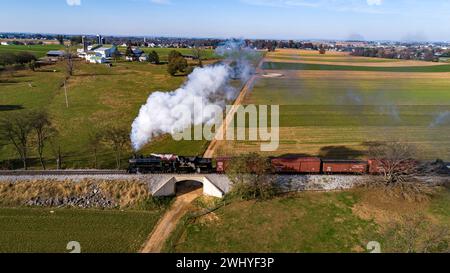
(94, 198)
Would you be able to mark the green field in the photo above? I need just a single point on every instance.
(164, 52)
(327, 111)
(307, 222)
(324, 67)
(336, 59)
(39, 231)
(38, 50)
(99, 96)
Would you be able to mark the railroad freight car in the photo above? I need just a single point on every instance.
(344, 166)
(296, 165)
(222, 164)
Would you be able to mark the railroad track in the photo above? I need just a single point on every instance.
(61, 172)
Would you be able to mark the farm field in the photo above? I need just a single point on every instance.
(99, 96)
(27, 230)
(38, 50)
(340, 113)
(310, 223)
(164, 52)
(323, 67)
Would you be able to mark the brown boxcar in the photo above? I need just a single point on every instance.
(222, 164)
(344, 166)
(375, 166)
(296, 165)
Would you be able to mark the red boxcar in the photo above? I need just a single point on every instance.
(297, 165)
(375, 166)
(222, 164)
(344, 166)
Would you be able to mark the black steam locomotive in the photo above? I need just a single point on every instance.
(169, 164)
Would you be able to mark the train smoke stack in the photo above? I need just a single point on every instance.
(209, 85)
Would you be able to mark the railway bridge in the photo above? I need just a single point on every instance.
(215, 185)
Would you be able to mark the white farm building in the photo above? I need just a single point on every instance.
(98, 55)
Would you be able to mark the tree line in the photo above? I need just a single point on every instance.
(33, 132)
(425, 54)
(20, 58)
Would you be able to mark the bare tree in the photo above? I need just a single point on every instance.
(43, 130)
(198, 54)
(16, 130)
(119, 139)
(55, 146)
(394, 160)
(94, 143)
(69, 61)
(251, 177)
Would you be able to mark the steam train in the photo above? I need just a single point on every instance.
(279, 165)
(169, 164)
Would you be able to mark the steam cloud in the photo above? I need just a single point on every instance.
(441, 119)
(163, 113)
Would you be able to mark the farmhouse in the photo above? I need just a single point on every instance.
(143, 58)
(97, 54)
(137, 53)
(95, 58)
(105, 52)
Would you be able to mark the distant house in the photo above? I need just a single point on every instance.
(137, 53)
(95, 58)
(143, 58)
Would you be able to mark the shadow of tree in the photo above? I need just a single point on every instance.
(10, 107)
(295, 155)
(340, 152)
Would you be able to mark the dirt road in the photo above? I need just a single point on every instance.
(169, 221)
(230, 115)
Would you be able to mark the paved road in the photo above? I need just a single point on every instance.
(169, 221)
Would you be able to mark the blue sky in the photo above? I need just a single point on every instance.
(281, 19)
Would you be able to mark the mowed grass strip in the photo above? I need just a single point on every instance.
(304, 66)
(27, 230)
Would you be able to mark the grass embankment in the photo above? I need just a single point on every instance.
(308, 222)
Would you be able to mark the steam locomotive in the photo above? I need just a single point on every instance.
(169, 164)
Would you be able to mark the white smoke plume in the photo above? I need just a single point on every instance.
(441, 119)
(163, 113)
